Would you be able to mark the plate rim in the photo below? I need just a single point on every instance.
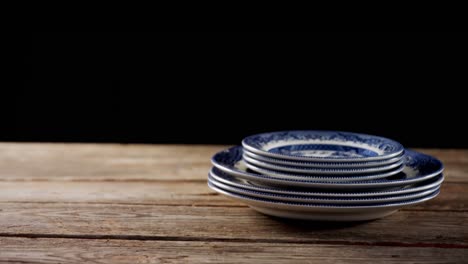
(325, 177)
(321, 184)
(314, 164)
(325, 194)
(246, 144)
(324, 171)
(330, 200)
(311, 205)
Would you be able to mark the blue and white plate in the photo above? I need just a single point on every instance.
(322, 200)
(324, 165)
(327, 212)
(227, 179)
(330, 177)
(322, 146)
(417, 167)
(394, 168)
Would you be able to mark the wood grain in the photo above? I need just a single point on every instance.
(453, 197)
(119, 162)
(54, 251)
(111, 203)
(155, 222)
(167, 193)
(104, 162)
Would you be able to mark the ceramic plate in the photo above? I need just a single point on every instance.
(322, 146)
(324, 165)
(323, 171)
(417, 167)
(325, 176)
(322, 212)
(322, 200)
(225, 178)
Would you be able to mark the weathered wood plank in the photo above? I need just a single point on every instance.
(152, 193)
(182, 222)
(35, 161)
(453, 197)
(118, 162)
(51, 250)
(150, 203)
(449, 156)
(455, 162)
(456, 173)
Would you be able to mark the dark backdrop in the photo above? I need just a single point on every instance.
(219, 87)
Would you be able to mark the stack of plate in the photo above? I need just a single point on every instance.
(325, 175)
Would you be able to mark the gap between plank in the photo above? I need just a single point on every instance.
(126, 204)
(233, 240)
(432, 210)
(195, 205)
(58, 179)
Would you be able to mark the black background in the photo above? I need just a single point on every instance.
(216, 88)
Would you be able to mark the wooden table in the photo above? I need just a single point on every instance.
(109, 203)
